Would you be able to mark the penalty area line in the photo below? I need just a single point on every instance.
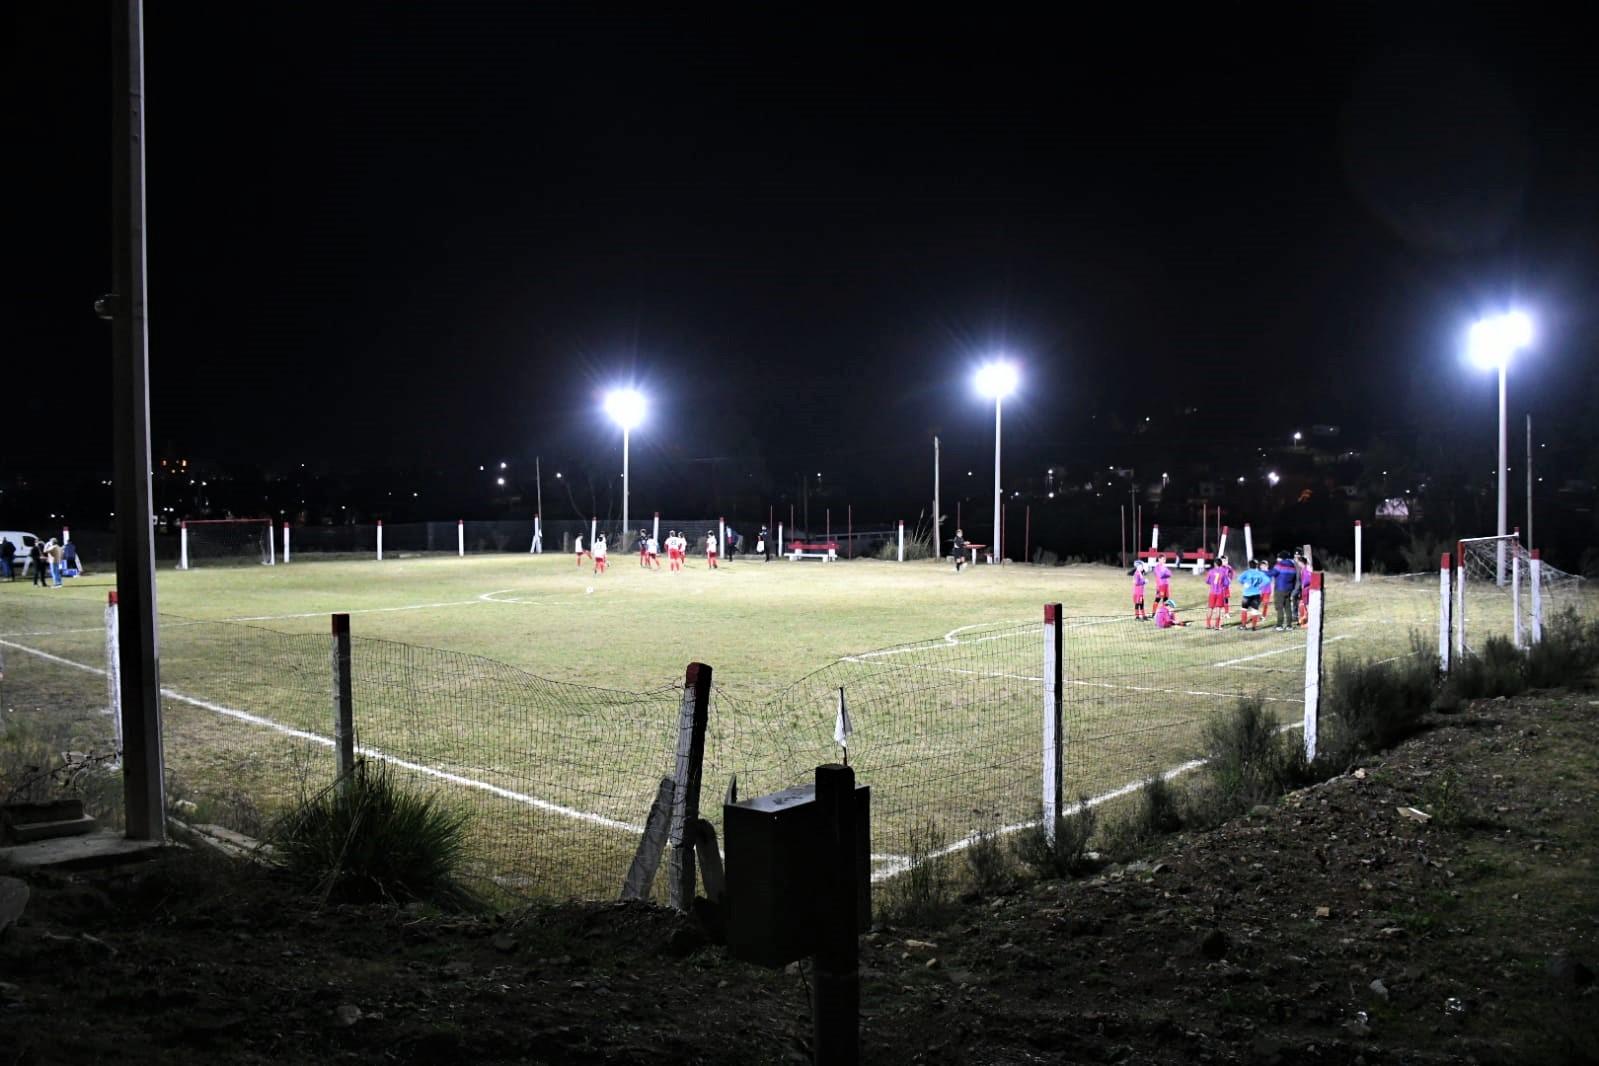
(363, 749)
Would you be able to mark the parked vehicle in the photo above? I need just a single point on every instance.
(23, 542)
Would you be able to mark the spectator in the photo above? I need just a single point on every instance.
(8, 558)
(52, 553)
(70, 562)
(36, 564)
(1285, 579)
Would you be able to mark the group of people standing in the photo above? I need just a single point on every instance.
(649, 550)
(1284, 584)
(48, 562)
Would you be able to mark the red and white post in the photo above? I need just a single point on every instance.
(1357, 549)
(655, 530)
(1313, 628)
(285, 542)
(1536, 578)
(1054, 743)
(594, 530)
(1221, 542)
(902, 540)
(721, 538)
(183, 545)
(380, 540)
(1154, 537)
(1443, 614)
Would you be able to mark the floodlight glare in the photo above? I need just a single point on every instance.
(1492, 341)
(625, 406)
(1273, 478)
(996, 380)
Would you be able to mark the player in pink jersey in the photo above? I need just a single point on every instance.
(1162, 579)
(1139, 583)
(1166, 615)
(1220, 580)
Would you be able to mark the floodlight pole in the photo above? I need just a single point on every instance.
(1530, 541)
(626, 529)
(143, 765)
(1504, 472)
(998, 402)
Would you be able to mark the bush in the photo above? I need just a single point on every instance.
(1567, 654)
(917, 546)
(1499, 669)
(366, 839)
(1250, 759)
(1372, 705)
(1068, 855)
(988, 862)
(1156, 812)
(924, 894)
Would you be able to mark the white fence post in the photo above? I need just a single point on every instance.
(1443, 614)
(1318, 604)
(537, 547)
(1536, 577)
(902, 541)
(721, 538)
(343, 709)
(1357, 549)
(380, 540)
(1460, 604)
(1249, 542)
(1221, 544)
(1515, 597)
(655, 529)
(271, 544)
(285, 542)
(113, 668)
(594, 530)
(1154, 537)
(66, 535)
(1054, 742)
(183, 545)
(460, 537)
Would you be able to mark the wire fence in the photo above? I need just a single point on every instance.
(559, 778)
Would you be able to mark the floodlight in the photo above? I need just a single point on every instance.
(1273, 478)
(625, 406)
(996, 380)
(1492, 341)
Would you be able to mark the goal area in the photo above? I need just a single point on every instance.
(226, 542)
(1504, 589)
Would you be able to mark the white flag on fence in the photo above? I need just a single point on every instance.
(842, 727)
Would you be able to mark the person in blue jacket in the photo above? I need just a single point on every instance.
(1285, 580)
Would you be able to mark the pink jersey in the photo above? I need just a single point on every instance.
(1163, 616)
(1220, 579)
(1162, 573)
(1139, 580)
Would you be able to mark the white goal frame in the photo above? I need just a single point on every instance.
(1523, 581)
(265, 523)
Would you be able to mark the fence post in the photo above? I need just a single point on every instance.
(837, 960)
(343, 711)
(1515, 597)
(285, 542)
(271, 544)
(1357, 549)
(691, 719)
(1443, 614)
(113, 667)
(460, 538)
(1054, 745)
(537, 547)
(183, 545)
(1154, 537)
(902, 540)
(849, 529)
(1460, 602)
(655, 530)
(594, 530)
(380, 540)
(1249, 542)
(721, 538)
(1536, 577)
(66, 535)
(780, 549)
(1027, 534)
(1318, 604)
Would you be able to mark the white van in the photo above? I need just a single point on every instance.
(24, 543)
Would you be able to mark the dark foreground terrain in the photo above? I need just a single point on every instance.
(1334, 929)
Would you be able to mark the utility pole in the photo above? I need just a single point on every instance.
(1530, 541)
(938, 516)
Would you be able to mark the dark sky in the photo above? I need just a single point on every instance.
(433, 232)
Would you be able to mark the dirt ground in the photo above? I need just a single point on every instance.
(1331, 929)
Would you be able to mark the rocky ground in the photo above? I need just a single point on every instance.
(1343, 925)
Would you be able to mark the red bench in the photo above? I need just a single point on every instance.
(825, 550)
(1194, 559)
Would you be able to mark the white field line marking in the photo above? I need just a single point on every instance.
(1279, 651)
(948, 638)
(1098, 684)
(898, 864)
(322, 614)
(317, 738)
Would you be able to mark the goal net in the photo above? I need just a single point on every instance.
(226, 541)
(1503, 589)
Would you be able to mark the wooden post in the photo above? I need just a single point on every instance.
(691, 721)
(343, 709)
(1054, 745)
(828, 523)
(1124, 536)
(647, 859)
(837, 961)
(1318, 604)
(1027, 534)
(849, 529)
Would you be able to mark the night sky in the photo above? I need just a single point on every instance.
(405, 234)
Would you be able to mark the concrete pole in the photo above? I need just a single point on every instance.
(994, 551)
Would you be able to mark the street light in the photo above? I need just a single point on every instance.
(996, 380)
(1490, 344)
(626, 408)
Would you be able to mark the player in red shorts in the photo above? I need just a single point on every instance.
(710, 549)
(1220, 580)
(1139, 583)
(577, 549)
(1162, 580)
(599, 554)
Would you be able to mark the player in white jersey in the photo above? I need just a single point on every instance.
(710, 548)
(599, 554)
(652, 552)
(577, 549)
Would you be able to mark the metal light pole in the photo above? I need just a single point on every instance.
(997, 380)
(1491, 343)
(626, 408)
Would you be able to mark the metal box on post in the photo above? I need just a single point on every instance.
(775, 852)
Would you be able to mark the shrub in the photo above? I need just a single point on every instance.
(1567, 654)
(917, 546)
(924, 894)
(1250, 760)
(989, 863)
(1499, 669)
(1372, 705)
(1068, 855)
(367, 839)
(1450, 803)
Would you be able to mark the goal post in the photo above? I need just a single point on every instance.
(226, 541)
(1516, 609)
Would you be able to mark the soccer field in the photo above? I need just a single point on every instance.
(545, 698)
